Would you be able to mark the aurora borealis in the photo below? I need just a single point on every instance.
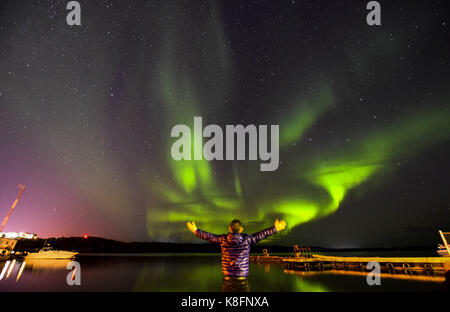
(86, 114)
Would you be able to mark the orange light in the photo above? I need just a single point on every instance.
(85, 236)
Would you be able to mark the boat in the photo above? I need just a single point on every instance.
(50, 253)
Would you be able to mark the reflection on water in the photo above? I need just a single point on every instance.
(188, 272)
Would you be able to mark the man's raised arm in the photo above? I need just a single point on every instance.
(279, 226)
(212, 238)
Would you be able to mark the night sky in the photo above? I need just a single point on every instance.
(86, 113)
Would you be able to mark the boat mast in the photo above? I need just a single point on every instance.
(12, 208)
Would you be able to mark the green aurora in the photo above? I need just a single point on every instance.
(315, 183)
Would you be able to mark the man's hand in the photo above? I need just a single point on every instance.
(280, 225)
(192, 227)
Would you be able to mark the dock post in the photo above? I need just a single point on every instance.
(296, 251)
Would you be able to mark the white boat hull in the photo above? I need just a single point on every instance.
(51, 254)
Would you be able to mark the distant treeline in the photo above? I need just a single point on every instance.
(102, 245)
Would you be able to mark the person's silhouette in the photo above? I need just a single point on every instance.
(236, 250)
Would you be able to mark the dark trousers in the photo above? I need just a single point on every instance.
(235, 284)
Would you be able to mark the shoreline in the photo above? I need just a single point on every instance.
(98, 245)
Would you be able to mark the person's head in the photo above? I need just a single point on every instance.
(236, 226)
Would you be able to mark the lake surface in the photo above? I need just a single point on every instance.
(183, 272)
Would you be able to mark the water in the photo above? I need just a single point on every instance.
(183, 272)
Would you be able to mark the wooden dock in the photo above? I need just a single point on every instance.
(434, 277)
(435, 266)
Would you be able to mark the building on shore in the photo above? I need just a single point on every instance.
(17, 235)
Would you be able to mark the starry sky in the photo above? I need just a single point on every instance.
(86, 113)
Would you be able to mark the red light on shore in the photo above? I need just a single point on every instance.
(85, 236)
